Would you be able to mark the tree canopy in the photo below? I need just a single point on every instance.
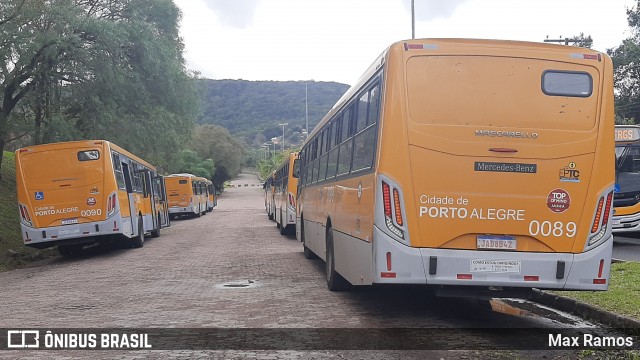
(81, 69)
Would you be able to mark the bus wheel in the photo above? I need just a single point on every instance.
(283, 229)
(156, 233)
(270, 215)
(138, 241)
(335, 282)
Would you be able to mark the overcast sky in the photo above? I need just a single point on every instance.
(336, 40)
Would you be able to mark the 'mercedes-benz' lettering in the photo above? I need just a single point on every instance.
(507, 134)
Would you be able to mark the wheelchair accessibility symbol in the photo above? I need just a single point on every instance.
(39, 195)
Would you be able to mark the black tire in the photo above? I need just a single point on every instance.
(138, 241)
(335, 281)
(270, 215)
(283, 229)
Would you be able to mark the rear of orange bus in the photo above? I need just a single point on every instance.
(180, 195)
(495, 166)
(68, 194)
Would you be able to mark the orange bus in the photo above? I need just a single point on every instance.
(212, 199)
(187, 195)
(285, 182)
(270, 201)
(626, 199)
(75, 193)
(466, 164)
(268, 196)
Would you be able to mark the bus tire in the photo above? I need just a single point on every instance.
(138, 241)
(283, 229)
(335, 281)
(270, 214)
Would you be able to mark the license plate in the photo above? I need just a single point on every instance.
(495, 266)
(69, 231)
(69, 221)
(615, 222)
(494, 242)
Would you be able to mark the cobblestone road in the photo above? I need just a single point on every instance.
(193, 276)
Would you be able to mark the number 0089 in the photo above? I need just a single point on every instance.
(555, 229)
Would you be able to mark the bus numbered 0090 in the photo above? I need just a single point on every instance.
(71, 194)
(478, 166)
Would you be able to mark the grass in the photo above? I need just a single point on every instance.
(623, 296)
(13, 253)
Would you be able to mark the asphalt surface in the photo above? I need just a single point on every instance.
(626, 246)
(231, 269)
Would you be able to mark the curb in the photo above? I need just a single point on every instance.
(586, 311)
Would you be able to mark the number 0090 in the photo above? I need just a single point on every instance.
(548, 228)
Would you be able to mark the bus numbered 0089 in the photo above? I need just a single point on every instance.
(478, 166)
(626, 203)
(75, 193)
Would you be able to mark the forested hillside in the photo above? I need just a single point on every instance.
(253, 109)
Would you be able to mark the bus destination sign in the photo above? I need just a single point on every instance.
(627, 134)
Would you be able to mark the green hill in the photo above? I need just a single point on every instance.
(12, 252)
(253, 109)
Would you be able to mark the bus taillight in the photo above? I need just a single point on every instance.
(386, 196)
(596, 221)
(607, 208)
(599, 228)
(111, 204)
(25, 217)
(396, 203)
(388, 216)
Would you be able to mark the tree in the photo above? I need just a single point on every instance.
(190, 162)
(215, 142)
(626, 63)
(96, 69)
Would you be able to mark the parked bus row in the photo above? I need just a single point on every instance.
(281, 188)
(478, 166)
(72, 194)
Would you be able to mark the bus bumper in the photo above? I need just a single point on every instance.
(625, 223)
(181, 210)
(74, 234)
(562, 271)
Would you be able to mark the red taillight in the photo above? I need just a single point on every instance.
(25, 217)
(596, 221)
(607, 209)
(396, 203)
(388, 261)
(601, 268)
(386, 195)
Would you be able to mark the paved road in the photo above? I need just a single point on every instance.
(232, 269)
(626, 247)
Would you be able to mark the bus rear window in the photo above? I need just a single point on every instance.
(564, 83)
(88, 155)
(182, 182)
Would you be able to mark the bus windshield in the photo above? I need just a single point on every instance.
(628, 167)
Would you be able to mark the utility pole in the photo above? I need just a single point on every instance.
(283, 125)
(306, 107)
(413, 20)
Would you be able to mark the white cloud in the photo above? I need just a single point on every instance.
(236, 13)
(426, 10)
